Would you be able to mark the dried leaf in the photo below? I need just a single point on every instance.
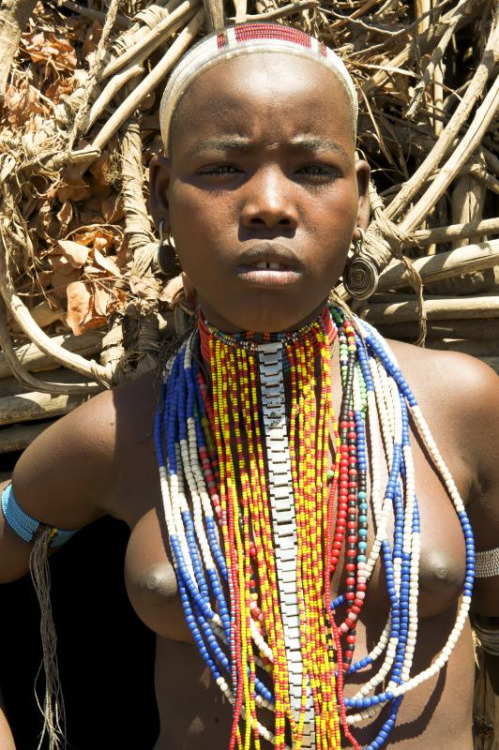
(76, 190)
(112, 209)
(89, 237)
(60, 280)
(172, 289)
(21, 102)
(106, 263)
(65, 215)
(75, 254)
(101, 300)
(79, 306)
(46, 46)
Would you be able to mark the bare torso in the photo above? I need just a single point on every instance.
(193, 714)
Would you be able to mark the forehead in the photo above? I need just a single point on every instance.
(264, 91)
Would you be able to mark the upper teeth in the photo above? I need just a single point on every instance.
(267, 265)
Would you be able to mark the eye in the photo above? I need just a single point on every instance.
(219, 170)
(319, 172)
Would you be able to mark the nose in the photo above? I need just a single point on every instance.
(268, 201)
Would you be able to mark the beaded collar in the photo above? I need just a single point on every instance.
(259, 521)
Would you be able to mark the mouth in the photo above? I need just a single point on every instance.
(269, 265)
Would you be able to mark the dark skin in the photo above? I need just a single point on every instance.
(263, 194)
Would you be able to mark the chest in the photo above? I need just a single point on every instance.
(152, 585)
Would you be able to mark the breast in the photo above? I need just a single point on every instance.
(151, 583)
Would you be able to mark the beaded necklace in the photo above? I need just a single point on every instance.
(258, 521)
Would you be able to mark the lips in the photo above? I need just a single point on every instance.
(269, 265)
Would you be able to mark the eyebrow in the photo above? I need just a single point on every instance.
(229, 143)
(312, 144)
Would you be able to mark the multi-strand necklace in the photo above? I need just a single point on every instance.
(265, 496)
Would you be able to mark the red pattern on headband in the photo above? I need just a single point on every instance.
(251, 31)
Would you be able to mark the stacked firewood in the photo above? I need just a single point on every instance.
(82, 303)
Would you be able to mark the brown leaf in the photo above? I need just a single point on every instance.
(172, 289)
(65, 215)
(59, 281)
(73, 252)
(45, 46)
(92, 39)
(61, 265)
(89, 237)
(101, 300)
(106, 263)
(79, 306)
(112, 209)
(21, 102)
(76, 190)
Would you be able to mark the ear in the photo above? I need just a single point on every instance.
(363, 172)
(159, 183)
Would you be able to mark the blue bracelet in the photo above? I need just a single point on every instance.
(25, 526)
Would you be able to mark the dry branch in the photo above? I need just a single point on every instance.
(30, 407)
(19, 436)
(147, 43)
(24, 319)
(467, 145)
(27, 380)
(34, 359)
(14, 15)
(150, 82)
(436, 309)
(424, 237)
(444, 265)
(448, 136)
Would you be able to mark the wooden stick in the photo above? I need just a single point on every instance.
(137, 222)
(356, 14)
(109, 92)
(281, 12)
(14, 16)
(215, 16)
(424, 237)
(443, 265)
(153, 39)
(470, 141)
(12, 387)
(23, 376)
(96, 64)
(439, 309)
(437, 56)
(95, 15)
(18, 437)
(30, 407)
(148, 84)
(447, 138)
(438, 330)
(34, 360)
(21, 314)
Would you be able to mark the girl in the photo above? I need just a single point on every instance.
(303, 554)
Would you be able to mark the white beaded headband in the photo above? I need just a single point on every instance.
(241, 40)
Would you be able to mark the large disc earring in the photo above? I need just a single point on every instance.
(166, 255)
(360, 277)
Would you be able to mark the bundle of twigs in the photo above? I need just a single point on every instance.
(79, 90)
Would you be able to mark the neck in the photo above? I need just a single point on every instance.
(251, 341)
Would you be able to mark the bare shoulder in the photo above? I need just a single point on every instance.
(67, 476)
(461, 395)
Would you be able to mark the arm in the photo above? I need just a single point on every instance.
(483, 510)
(62, 479)
(6, 739)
